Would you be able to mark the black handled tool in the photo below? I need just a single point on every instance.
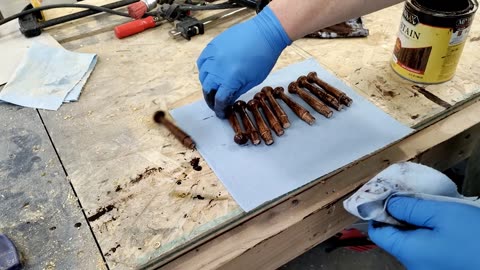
(188, 27)
(32, 26)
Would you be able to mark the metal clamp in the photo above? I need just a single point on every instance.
(188, 28)
(151, 4)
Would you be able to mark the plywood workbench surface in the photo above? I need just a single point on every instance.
(140, 194)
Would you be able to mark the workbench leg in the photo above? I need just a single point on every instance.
(471, 184)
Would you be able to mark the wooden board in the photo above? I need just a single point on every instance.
(132, 177)
(85, 27)
(365, 67)
(38, 208)
(122, 162)
(268, 239)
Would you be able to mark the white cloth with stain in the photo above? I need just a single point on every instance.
(47, 77)
(402, 179)
(14, 46)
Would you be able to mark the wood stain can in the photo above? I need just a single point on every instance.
(431, 38)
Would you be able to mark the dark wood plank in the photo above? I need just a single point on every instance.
(38, 208)
(471, 184)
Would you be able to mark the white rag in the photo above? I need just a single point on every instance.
(47, 77)
(403, 179)
(14, 46)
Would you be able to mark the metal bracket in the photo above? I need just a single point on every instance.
(188, 28)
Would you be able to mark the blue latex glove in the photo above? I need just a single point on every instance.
(446, 234)
(240, 58)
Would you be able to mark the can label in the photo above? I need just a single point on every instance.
(428, 48)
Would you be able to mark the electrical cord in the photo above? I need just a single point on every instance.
(225, 5)
(208, 7)
(91, 7)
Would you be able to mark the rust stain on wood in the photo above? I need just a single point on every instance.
(386, 93)
(432, 97)
(194, 163)
(100, 212)
(145, 174)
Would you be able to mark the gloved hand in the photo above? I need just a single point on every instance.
(240, 58)
(446, 234)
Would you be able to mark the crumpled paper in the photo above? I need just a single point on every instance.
(347, 29)
(403, 179)
(47, 77)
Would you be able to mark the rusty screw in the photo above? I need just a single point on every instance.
(323, 96)
(271, 118)
(339, 95)
(185, 139)
(240, 137)
(241, 108)
(301, 112)
(279, 112)
(316, 104)
(253, 106)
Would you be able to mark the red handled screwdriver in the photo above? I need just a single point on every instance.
(135, 27)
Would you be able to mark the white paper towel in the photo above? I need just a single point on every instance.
(403, 179)
(48, 76)
(14, 46)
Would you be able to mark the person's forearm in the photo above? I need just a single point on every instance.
(303, 17)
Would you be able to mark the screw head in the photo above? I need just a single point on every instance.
(293, 88)
(302, 80)
(253, 104)
(267, 89)
(239, 105)
(240, 139)
(312, 76)
(158, 116)
(278, 90)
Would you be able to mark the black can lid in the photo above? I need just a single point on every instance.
(445, 7)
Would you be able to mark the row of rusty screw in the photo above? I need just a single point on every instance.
(322, 97)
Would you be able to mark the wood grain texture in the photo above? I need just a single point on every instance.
(38, 208)
(126, 167)
(135, 181)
